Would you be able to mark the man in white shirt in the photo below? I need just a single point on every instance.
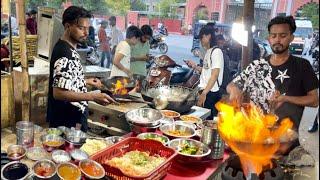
(122, 55)
(116, 35)
(211, 72)
(307, 45)
(14, 26)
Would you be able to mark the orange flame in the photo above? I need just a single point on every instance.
(251, 134)
(120, 87)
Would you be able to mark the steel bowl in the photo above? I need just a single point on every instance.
(51, 137)
(191, 124)
(64, 129)
(54, 131)
(16, 152)
(113, 139)
(170, 114)
(47, 165)
(166, 120)
(178, 143)
(36, 153)
(183, 128)
(175, 97)
(76, 136)
(191, 119)
(97, 165)
(14, 170)
(154, 136)
(77, 155)
(37, 128)
(75, 167)
(146, 117)
(136, 129)
(60, 156)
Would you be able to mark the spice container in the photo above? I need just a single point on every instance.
(25, 133)
(210, 136)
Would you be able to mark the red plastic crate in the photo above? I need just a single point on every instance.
(131, 144)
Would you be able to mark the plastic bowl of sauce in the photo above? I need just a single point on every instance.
(91, 169)
(14, 171)
(68, 171)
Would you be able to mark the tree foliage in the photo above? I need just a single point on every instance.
(118, 7)
(164, 6)
(96, 6)
(311, 11)
(138, 5)
(202, 14)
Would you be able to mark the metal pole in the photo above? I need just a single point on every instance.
(10, 39)
(248, 16)
(20, 8)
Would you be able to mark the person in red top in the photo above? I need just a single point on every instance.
(32, 22)
(104, 44)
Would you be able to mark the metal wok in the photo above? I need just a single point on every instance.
(176, 97)
(109, 86)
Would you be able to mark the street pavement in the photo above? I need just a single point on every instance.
(179, 48)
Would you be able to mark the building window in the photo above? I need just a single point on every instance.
(281, 14)
(215, 16)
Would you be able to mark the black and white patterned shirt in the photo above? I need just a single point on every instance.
(66, 72)
(256, 79)
(261, 79)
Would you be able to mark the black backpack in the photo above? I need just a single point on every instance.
(227, 76)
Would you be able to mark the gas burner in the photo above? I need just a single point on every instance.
(232, 170)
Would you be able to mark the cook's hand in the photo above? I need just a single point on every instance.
(276, 100)
(235, 95)
(190, 63)
(202, 99)
(101, 98)
(129, 73)
(94, 82)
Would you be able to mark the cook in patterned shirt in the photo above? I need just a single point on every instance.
(68, 96)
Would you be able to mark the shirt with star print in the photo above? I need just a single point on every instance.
(295, 77)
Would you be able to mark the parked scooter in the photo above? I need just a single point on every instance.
(157, 41)
(162, 70)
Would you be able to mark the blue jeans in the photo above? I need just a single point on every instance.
(104, 55)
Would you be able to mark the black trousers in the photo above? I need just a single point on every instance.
(211, 100)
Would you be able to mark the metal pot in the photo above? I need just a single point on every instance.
(175, 96)
(136, 129)
(145, 117)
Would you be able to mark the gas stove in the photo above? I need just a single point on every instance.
(111, 118)
(231, 169)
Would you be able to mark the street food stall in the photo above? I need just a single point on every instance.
(156, 134)
(177, 148)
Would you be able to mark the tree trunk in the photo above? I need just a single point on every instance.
(24, 61)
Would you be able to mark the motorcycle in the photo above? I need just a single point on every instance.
(162, 70)
(163, 30)
(157, 41)
(315, 57)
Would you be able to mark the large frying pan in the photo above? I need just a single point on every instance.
(109, 84)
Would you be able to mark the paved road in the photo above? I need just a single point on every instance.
(179, 48)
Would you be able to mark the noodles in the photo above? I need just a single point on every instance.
(136, 163)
